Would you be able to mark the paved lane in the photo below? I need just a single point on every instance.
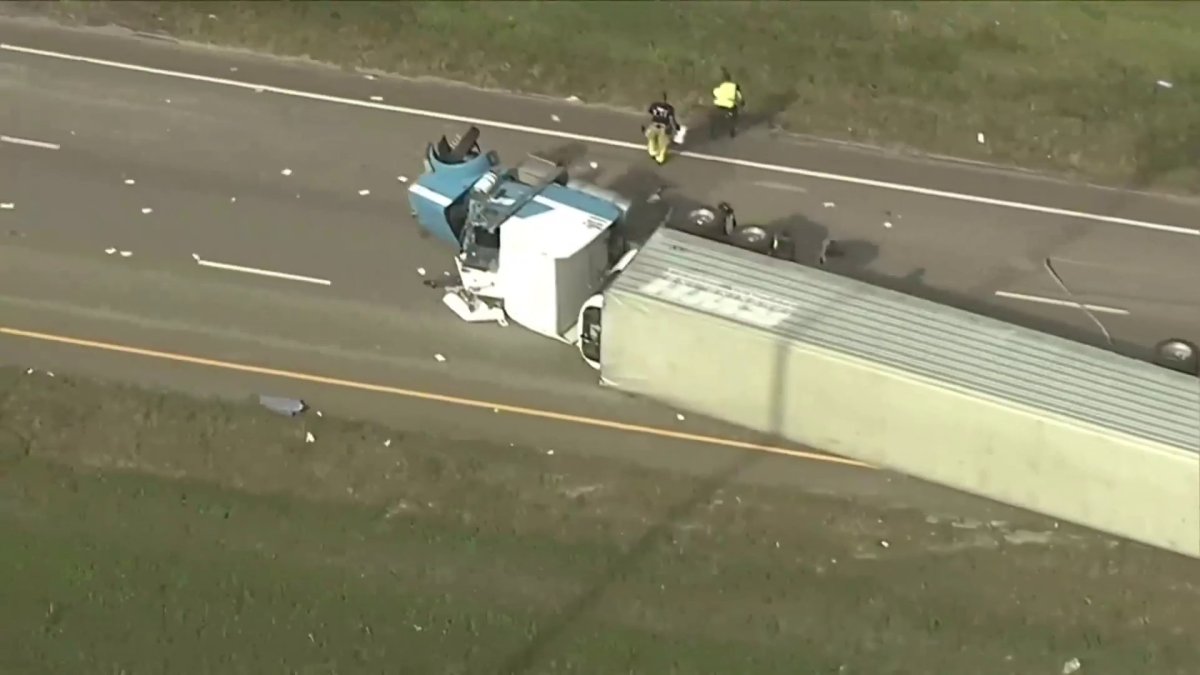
(198, 147)
(209, 161)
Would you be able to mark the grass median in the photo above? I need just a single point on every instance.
(1069, 86)
(152, 532)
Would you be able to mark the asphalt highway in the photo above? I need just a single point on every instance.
(169, 170)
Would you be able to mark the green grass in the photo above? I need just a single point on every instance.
(1069, 86)
(152, 532)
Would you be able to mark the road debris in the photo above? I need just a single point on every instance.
(439, 358)
(829, 205)
(556, 118)
(8, 206)
(421, 271)
(368, 77)
(387, 443)
(289, 407)
(309, 438)
(1165, 84)
(680, 417)
(884, 543)
(129, 181)
(376, 98)
(363, 193)
(319, 413)
(981, 138)
(232, 200)
(146, 210)
(402, 179)
(1070, 666)
(574, 99)
(110, 250)
(594, 165)
(167, 100)
(125, 254)
(887, 224)
(29, 371)
(549, 452)
(286, 172)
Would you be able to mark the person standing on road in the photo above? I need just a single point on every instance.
(663, 112)
(728, 102)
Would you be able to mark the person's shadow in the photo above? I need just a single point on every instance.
(709, 129)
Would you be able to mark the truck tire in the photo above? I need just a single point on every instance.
(753, 238)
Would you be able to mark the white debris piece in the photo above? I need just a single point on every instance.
(421, 271)
(376, 98)
(884, 543)
(369, 77)
(1070, 666)
(829, 205)
(167, 100)
(110, 250)
(439, 358)
(146, 210)
(549, 452)
(556, 118)
(8, 206)
(980, 137)
(387, 443)
(887, 224)
(363, 193)
(680, 417)
(286, 172)
(232, 200)
(212, 16)
(50, 373)
(402, 179)
(29, 371)
(129, 181)
(318, 413)
(594, 165)
(1165, 84)
(126, 254)
(574, 99)
(309, 438)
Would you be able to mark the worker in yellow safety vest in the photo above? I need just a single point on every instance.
(728, 101)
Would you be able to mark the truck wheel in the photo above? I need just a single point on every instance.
(753, 238)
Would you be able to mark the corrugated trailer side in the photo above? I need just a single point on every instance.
(959, 399)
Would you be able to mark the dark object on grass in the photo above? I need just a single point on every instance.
(284, 406)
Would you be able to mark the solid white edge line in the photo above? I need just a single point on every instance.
(1062, 303)
(866, 182)
(31, 143)
(260, 272)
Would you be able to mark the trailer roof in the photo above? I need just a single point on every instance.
(952, 346)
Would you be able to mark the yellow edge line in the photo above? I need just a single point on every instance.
(426, 396)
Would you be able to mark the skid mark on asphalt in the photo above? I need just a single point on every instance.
(426, 396)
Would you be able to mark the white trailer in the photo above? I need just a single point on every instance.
(959, 399)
